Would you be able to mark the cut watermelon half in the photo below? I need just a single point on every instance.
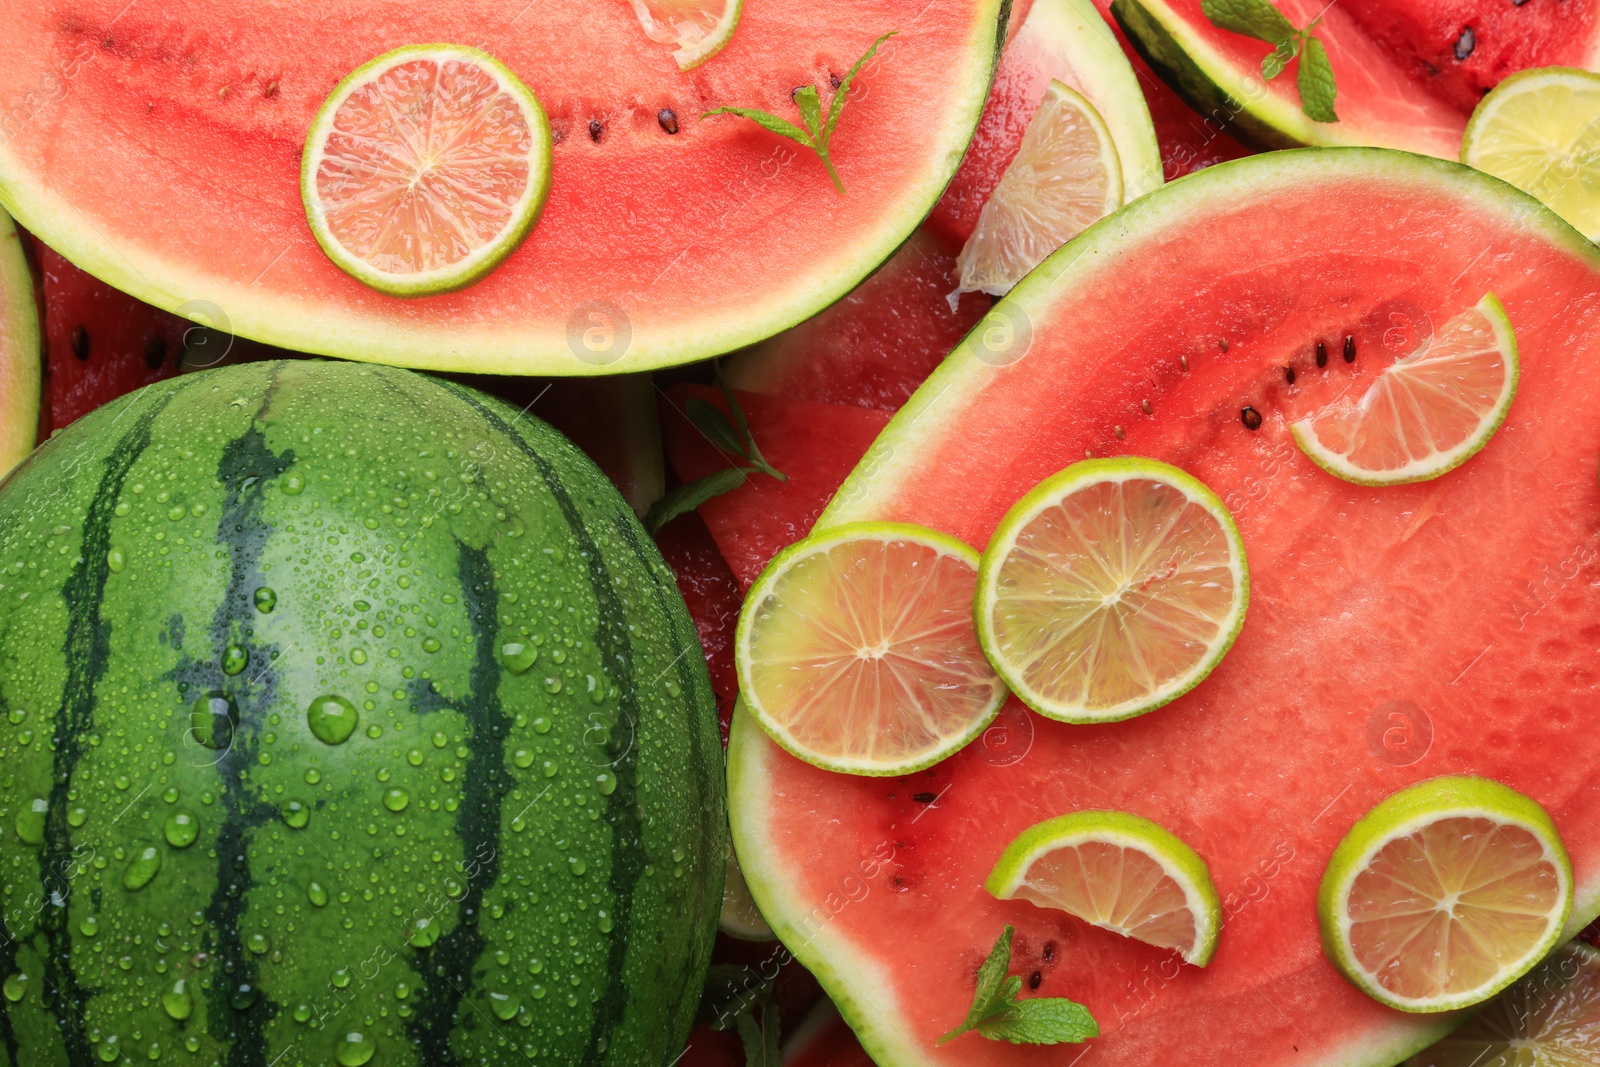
(19, 350)
(1401, 632)
(1408, 72)
(664, 239)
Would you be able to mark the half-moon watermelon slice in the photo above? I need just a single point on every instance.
(1395, 634)
(1408, 72)
(158, 147)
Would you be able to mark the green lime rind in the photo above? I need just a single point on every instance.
(690, 58)
(1182, 864)
(749, 695)
(1494, 313)
(480, 262)
(1405, 812)
(1045, 494)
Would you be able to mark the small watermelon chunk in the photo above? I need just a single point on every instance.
(1395, 633)
(816, 445)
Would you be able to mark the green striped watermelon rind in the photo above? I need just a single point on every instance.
(852, 978)
(20, 382)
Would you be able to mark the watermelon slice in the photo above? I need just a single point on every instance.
(666, 238)
(1409, 72)
(19, 350)
(1066, 41)
(1395, 633)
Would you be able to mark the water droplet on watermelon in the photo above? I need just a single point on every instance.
(17, 715)
(258, 943)
(302, 1013)
(89, 926)
(602, 921)
(522, 758)
(30, 821)
(77, 816)
(142, 871)
(295, 814)
(176, 512)
(110, 1050)
(358, 656)
(440, 739)
(243, 997)
(396, 799)
(317, 895)
(15, 987)
(414, 757)
(265, 600)
(607, 783)
(292, 484)
(212, 718)
(505, 1005)
(552, 685)
(354, 1049)
(518, 656)
(192, 1043)
(313, 776)
(234, 659)
(430, 644)
(181, 829)
(177, 1001)
(116, 560)
(340, 978)
(577, 865)
(332, 719)
(541, 725)
(424, 932)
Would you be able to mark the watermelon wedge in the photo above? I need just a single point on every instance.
(19, 350)
(666, 238)
(1409, 72)
(1395, 633)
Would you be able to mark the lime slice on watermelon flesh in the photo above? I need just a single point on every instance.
(1540, 131)
(1444, 894)
(425, 168)
(1066, 176)
(696, 30)
(856, 650)
(1551, 1018)
(1111, 589)
(1119, 872)
(1428, 412)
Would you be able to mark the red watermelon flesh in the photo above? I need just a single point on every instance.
(100, 343)
(1466, 606)
(816, 445)
(713, 596)
(874, 347)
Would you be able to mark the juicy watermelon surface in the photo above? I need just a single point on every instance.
(1394, 634)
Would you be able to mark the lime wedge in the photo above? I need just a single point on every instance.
(1065, 177)
(425, 168)
(695, 30)
(1112, 588)
(1551, 1018)
(1428, 412)
(740, 917)
(1118, 872)
(856, 651)
(1540, 130)
(1444, 894)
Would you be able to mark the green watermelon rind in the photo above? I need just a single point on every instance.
(20, 373)
(480, 262)
(850, 977)
(173, 285)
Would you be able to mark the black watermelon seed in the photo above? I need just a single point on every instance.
(1349, 349)
(924, 798)
(155, 351)
(1049, 951)
(1250, 417)
(1322, 354)
(833, 80)
(1222, 343)
(595, 130)
(1148, 409)
(1183, 361)
(668, 120)
(1466, 43)
(1035, 980)
(1288, 375)
(80, 342)
(1119, 432)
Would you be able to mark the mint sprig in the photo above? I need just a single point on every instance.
(1259, 19)
(998, 1015)
(818, 130)
(730, 436)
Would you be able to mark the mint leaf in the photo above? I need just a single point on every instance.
(767, 121)
(998, 1015)
(810, 107)
(1253, 18)
(714, 424)
(836, 105)
(685, 498)
(1273, 62)
(1317, 89)
(760, 1040)
(749, 449)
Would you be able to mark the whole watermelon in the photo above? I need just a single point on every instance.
(347, 716)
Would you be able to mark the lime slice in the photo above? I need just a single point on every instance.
(425, 168)
(695, 30)
(1118, 872)
(1066, 176)
(1444, 894)
(1428, 412)
(740, 917)
(1540, 130)
(1111, 589)
(1551, 1018)
(856, 650)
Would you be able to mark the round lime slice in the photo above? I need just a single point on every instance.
(1428, 412)
(1112, 588)
(1444, 894)
(856, 652)
(425, 168)
(1119, 872)
(740, 917)
(695, 30)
